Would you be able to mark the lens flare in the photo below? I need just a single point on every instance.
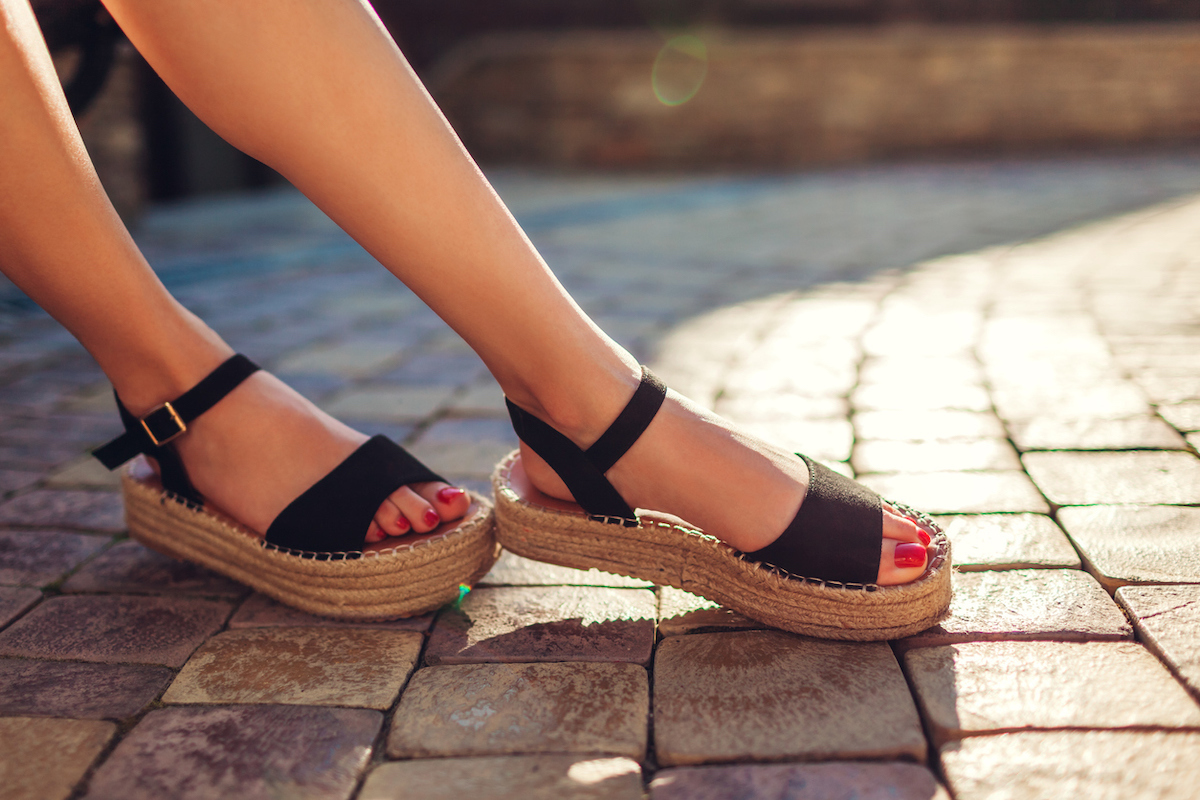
(463, 590)
(679, 69)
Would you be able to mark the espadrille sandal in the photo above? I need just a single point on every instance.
(313, 556)
(818, 578)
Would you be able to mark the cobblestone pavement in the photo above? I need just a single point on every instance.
(1014, 346)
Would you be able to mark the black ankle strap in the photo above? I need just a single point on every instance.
(150, 433)
(629, 424)
(583, 471)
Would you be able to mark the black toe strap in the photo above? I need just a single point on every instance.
(837, 533)
(334, 514)
(583, 470)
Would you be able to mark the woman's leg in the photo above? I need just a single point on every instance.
(63, 244)
(318, 91)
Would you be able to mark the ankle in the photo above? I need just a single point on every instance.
(158, 367)
(582, 407)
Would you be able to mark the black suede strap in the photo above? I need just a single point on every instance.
(583, 471)
(171, 419)
(837, 533)
(629, 424)
(334, 514)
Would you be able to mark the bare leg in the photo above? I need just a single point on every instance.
(320, 92)
(63, 244)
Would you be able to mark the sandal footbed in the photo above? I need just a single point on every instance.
(408, 578)
(666, 551)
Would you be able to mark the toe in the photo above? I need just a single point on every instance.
(450, 502)
(375, 533)
(416, 509)
(391, 519)
(901, 562)
(901, 528)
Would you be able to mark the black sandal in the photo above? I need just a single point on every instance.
(313, 556)
(818, 578)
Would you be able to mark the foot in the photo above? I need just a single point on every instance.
(263, 445)
(701, 468)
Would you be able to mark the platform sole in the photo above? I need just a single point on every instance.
(669, 554)
(400, 581)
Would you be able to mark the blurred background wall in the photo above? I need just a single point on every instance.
(703, 84)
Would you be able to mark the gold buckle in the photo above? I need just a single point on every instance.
(174, 415)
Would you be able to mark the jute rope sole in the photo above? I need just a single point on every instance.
(378, 584)
(674, 555)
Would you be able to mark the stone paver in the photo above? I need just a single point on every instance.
(493, 709)
(822, 415)
(967, 689)
(1167, 619)
(970, 454)
(1100, 400)
(682, 612)
(1136, 544)
(448, 369)
(1134, 477)
(65, 508)
(896, 397)
(767, 695)
(909, 367)
(389, 404)
(1184, 416)
(71, 689)
(514, 570)
(13, 479)
(130, 567)
(540, 777)
(961, 492)
(1105, 765)
(545, 623)
(484, 399)
(36, 558)
(826, 440)
(471, 459)
(926, 426)
(1053, 604)
(860, 781)
(300, 666)
(349, 359)
(115, 629)
(44, 758)
(1008, 541)
(248, 752)
(16, 601)
(84, 472)
(1096, 434)
(1170, 386)
(260, 611)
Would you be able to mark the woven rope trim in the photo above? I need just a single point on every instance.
(402, 582)
(940, 542)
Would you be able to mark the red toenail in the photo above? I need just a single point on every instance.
(924, 536)
(450, 494)
(402, 524)
(910, 555)
(431, 517)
